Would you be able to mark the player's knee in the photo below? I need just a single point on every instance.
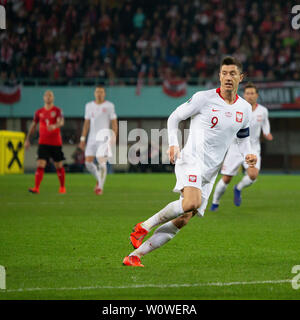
(195, 204)
(192, 204)
(252, 174)
(41, 163)
(58, 165)
(89, 165)
(226, 179)
(102, 164)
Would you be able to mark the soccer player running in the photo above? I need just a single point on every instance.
(99, 115)
(233, 159)
(50, 119)
(217, 117)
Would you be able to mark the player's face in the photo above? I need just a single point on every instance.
(99, 94)
(230, 77)
(251, 95)
(48, 97)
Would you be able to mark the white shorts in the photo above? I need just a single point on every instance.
(233, 160)
(98, 149)
(190, 176)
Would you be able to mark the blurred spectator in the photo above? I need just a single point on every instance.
(67, 39)
(138, 19)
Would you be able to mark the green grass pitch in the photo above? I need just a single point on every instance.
(71, 246)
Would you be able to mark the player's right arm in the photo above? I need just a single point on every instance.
(31, 130)
(266, 128)
(85, 128)
(183, 112)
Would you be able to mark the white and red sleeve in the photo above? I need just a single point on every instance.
(183, 112)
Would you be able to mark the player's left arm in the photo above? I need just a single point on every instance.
(114, 127)
(245, 149)
(266, 128)
(60, 121)
(30, 132)
(114, 124)
(244, 145)
(183, 112)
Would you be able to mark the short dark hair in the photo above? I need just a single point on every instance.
(232, 60)
(250, 85)
(100, 86)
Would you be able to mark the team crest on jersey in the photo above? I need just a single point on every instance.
(192, 178)
(228, 114)
(104, 110)
(239, 116)
(53, 114)
(259, 118)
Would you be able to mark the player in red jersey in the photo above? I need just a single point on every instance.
(50, 119)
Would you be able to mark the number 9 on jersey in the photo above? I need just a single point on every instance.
(214, 121)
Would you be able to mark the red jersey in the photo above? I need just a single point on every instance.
(45, 117)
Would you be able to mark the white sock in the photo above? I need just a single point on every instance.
(92, 168)
(162, 235)
(102, 173)
(169, 212)
(219, 191)
(245, 182)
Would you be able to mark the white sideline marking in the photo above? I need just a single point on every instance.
(137, 286)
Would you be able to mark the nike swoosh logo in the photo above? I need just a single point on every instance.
(215, 110)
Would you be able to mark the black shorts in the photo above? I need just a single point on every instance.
(55, 152)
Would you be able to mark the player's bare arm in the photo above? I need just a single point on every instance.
(245, 147)
(59, 123)
(174, 153)
(85, 130)
(30, 132)
(183, 112)
(268, 137)
(114, 126)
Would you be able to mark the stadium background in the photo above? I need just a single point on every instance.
(144, 52)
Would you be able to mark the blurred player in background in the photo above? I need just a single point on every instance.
(217, 117)
(233, 159)
(50, 120)
(99, 115)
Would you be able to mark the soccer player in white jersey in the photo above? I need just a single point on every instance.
(217, 117)
(99, 116)
(233, 159)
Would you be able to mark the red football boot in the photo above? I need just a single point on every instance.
(98, 191)
(34, 190)
(132, 261)
(138, 235)
(62, 190)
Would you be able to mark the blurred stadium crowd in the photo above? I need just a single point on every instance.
(122, 39)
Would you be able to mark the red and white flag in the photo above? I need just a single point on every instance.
(174, 88)
(10, 94)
